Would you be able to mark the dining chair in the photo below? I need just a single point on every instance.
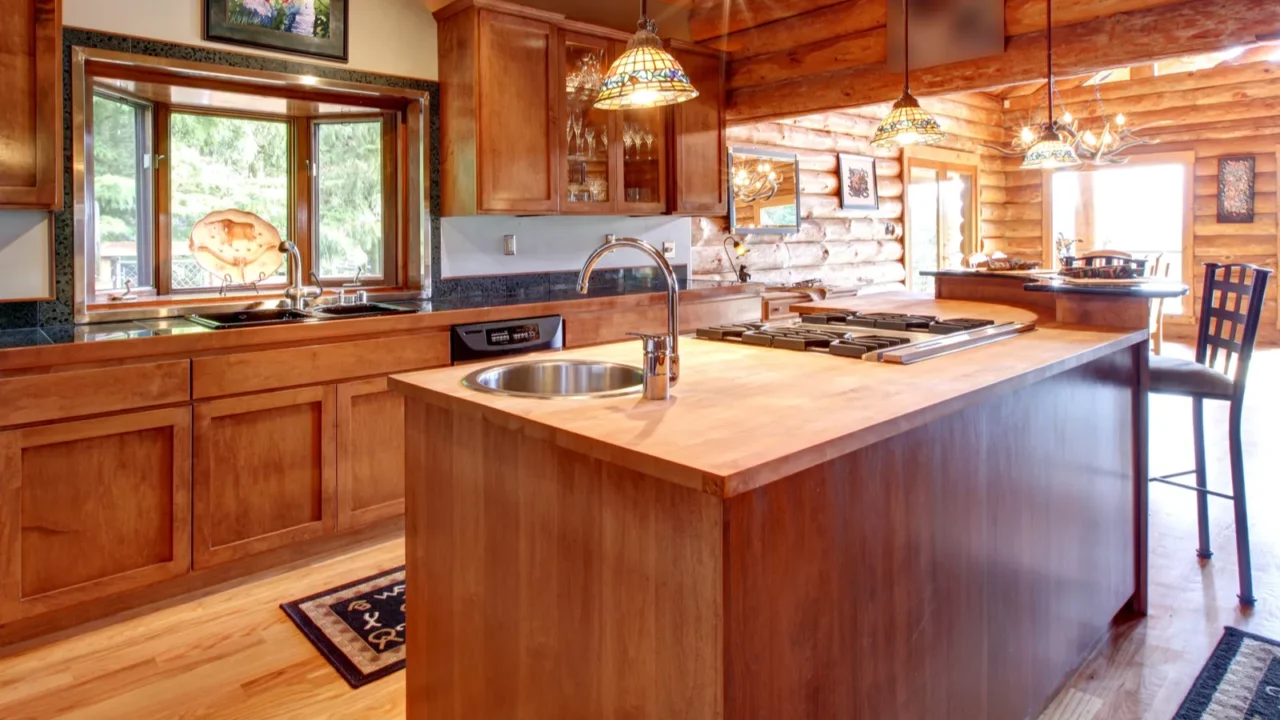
(1158, 268)
(1230, 313)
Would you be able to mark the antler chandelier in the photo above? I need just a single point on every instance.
(754, 184)
(1100, 149)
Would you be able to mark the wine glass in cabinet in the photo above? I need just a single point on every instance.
(642, 170)
(588, 165)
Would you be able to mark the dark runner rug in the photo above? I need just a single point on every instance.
(1241, 681)
(358, 627)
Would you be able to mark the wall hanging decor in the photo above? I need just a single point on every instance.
(317, 28)
(858, 189)
(1235, 189)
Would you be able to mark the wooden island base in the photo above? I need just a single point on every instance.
(963, 568)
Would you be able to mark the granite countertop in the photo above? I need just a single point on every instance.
(1044, 281)
(137, 329)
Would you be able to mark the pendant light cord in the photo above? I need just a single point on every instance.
(906, 46)
(1048, 44)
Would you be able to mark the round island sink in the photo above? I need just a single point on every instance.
(570, 379)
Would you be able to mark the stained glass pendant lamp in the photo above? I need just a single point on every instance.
(645, 75)
(1050, 151)
(907, 123)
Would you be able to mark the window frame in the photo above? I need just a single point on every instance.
(163, 218)
(390, 189)
(409, 273)
(942, 161)
(144, 164)
(1188, 311)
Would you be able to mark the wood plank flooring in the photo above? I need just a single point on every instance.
(234, 654)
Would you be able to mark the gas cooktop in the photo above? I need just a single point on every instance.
(877, 337)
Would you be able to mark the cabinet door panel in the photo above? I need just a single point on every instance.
(31, 104)
(699, 176)
(264, 472)
(370, 453)
(519, 134)
(93, 508)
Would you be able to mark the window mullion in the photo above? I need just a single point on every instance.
(163, 216)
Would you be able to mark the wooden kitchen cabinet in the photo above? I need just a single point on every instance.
(698, 164)
(521, 137)
(264, 473)
(31, 104)
(370, 421)
(500, 127)
(93, 508)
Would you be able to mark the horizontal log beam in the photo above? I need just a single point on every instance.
(848, 51)
(712, 19)
(1024, 16)
(1122, 40)
(1176, 82)
(791, 136)
(828, 23)
(1263, 183)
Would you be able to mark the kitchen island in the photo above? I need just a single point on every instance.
(792, 535)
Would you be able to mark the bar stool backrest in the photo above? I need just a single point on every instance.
(1230, 314)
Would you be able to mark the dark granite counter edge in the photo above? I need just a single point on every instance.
(79, 335)
(1154, 291)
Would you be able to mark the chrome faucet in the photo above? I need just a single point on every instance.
(661, 352)
(297, 294)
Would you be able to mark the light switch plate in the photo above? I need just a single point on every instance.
(668, 249)
(510, 244)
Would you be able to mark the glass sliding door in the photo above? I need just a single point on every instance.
(941, 215)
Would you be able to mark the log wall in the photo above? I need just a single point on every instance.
(842, 247)
(804, 56)
(1229, 110)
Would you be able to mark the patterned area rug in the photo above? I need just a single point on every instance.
(1241, 681)
(358, 627)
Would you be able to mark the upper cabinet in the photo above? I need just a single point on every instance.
(699, 176)
(31, 104)
(499, 124)
(521, 134)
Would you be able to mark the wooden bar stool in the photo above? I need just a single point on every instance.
(1230, 313)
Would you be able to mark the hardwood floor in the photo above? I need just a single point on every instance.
(231, 654)
(1145, 668)
(234, 654)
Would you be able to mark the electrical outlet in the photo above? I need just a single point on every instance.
(510, 241)
(668, 249)
(610, 238)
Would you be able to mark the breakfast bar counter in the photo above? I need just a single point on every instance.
(791, 534)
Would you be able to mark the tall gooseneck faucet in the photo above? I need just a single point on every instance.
(662, 352)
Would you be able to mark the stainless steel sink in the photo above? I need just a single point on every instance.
(370, 309)
(573, 379)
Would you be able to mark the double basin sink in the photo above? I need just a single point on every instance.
(284, 316)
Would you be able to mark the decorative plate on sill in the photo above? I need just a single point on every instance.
(236, 244)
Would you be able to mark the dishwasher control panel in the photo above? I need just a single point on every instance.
(480, 341)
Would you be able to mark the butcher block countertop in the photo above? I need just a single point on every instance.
(742, 417)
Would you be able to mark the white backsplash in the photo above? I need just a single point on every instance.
(25, 255)
(473, 246)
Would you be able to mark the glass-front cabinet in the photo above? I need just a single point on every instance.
(614, 162)
(644, 155)
(589, 134)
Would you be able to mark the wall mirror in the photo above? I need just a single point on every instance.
(193, 174)
(765, 191)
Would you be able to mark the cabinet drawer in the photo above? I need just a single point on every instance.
(62, 395)
(316, 364)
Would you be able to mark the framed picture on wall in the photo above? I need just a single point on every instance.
(1236, 176)
(316, 28)
(858, 190)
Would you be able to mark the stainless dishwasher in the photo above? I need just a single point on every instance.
(486, 341)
